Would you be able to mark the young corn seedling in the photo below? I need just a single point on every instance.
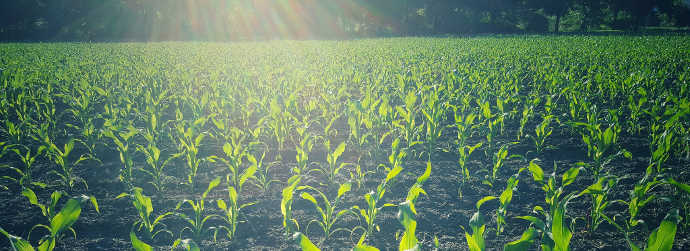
(155, 163)
(262, 178)
(464, 124)
(27, 159)
(475, 239)
(328, 213)
(234, 154)
(302, 156)
(601, 146)
(59, 222)
(197, 221)
(304, 243)
(489, 120)
(333, 168)
(190, 139)
(355, 120)
(374, 200)
(233, 207)
(541, 133)
(555, 234)
(289, 224)
(122, 141)
(640, 196)
(358, 176)
(147, 224)
(504, 200)
(407, 121)
(407, 212)
(599, 193)
(499, 159)
(279, 124)
(527, 113)
(465, 152)
(61, 158)
(433, 113)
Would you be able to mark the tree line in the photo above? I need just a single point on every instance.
(221, 20)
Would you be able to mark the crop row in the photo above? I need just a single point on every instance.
(346, 119)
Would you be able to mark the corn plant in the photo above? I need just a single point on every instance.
(555, 234)
(302, 157)
(599, 194)
(374, 200)
(333, 167)
(147, 224)
(358, 176)
(407, 122)
(289, 224)
(59, 222)
(154, 162)
(489, 121)
(432, 108)
(641, 195)
(355, 119)
(498, 160)
(475, 238)
(25, 179)
(234, 154)
(601, 146)
(197, 221)
(504, 200)
(328, 214)
(527, 113)
(233, 206)
(5, 149)
(661, 238)
(541, 132)
(407, 212)
(464, 123)
(262, 178)
(190, 138)
(304, 243)
(61, 158)
(122, 141)
(465, 152)
(280, 124)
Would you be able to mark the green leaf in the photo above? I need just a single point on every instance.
(661, 239)
(304, 242)
(407, 219)
(485, 199)
(425, 176)
(537, 172)
(17, 243)
(569, 176)
(214, 183)
(561, 234)
(680, 186)
(66, 217)
(344, 188)
(137, 244)
(524, 243)
(339, 151)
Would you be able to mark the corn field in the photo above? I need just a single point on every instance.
(481, 143)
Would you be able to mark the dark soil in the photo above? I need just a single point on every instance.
(441, 214)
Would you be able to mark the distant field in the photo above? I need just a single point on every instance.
(483, 143)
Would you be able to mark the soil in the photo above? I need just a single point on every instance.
(441, 214)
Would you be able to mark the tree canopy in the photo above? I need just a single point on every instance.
(222, 20)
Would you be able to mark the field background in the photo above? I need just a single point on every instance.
(281, 96)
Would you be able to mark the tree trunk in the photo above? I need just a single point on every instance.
(557, 24)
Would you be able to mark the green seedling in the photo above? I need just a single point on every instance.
(197, 221)
(147, 224)
(328, 214)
